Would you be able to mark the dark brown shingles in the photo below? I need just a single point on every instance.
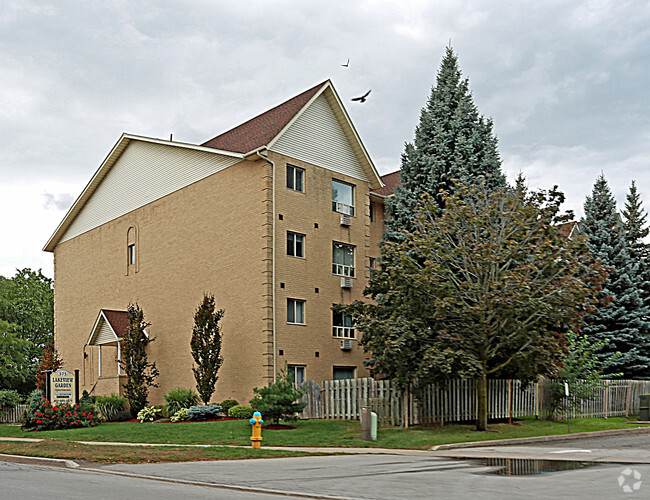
(119, 321)
(390, 182)
(261, 130)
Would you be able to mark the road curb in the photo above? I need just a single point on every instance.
(539, 439)
(24, 459)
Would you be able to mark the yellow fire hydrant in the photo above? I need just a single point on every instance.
(256, 422)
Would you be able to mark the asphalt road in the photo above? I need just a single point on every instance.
(422, 476)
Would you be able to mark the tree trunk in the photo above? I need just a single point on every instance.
(481, 401)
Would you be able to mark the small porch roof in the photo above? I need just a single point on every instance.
(109, 327)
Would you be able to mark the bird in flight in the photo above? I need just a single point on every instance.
(346, 64)
(362, 98)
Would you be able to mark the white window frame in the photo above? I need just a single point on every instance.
(345, 270)
(292, 247)
(341, 331)
(340, 207)
(294, 305)
(294, 173)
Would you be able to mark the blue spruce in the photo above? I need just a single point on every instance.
(622, 320)
(453, 142)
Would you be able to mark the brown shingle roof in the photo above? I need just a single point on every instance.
(391, 181)
(259, 131)
(119, 321)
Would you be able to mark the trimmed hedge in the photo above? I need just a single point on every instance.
(240, 411)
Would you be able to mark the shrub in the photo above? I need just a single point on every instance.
(240, 411)
(35, 399)
(123, 416)
(278, 400)
(204, 412)
(87, 402)
(109, 406)
(180, 398)
(46, 416)
(227, 404)
(180, 415)
(9, 398)
(149, 413)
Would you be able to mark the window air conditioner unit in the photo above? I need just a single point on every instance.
(346, 282)
(345, 220)
(346, 345)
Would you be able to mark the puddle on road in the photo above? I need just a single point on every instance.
(526, 467)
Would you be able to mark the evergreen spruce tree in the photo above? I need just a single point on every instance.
(453, 142)
(622, 319)
(635, 230)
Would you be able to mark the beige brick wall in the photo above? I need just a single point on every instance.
(215, 236)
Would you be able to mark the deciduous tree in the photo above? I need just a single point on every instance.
(487, 286)
(141, 374)
(206, 347)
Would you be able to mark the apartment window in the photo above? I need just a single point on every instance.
(343, 260)
(297, 374)
(131, 253)
(342, 326)
(372, 211)
(342, 197)
(296, 311)
(373, 263)
(344, 372)
(295, 244)
(295, 178)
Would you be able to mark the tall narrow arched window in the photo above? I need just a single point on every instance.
(131, 251)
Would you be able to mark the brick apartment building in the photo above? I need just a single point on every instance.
(279, 218)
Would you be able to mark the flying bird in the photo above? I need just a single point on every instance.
(346, 64)
(362, 98)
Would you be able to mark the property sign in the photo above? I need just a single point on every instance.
(62, 387)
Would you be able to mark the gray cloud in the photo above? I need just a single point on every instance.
(61, 202)
(565, 81)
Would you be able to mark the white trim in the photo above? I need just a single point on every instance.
(99, 175)
(99, 362)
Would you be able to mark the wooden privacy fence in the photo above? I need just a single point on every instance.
(456, 402)
(12, 415)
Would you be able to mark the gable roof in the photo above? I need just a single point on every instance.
(260, 131)
(109, 327)
(391, 181)
(265, 130)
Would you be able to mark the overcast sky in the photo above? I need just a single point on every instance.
(567, 84)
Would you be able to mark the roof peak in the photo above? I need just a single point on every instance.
(261, 129)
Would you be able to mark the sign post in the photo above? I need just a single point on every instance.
(62, 387)
(566, 393)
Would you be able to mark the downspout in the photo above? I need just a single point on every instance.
(275, 361)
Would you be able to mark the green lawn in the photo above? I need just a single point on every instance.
(339, 433)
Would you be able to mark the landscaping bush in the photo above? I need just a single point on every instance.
(109, 406)
(149, 413)
(278, 400)
(35, 399)
(180, 415)
(227, 404)
(204, 412)
(180, 398)
(87, 402)
(123, 416)
(240, 411)
(9, 398)
(46, 416)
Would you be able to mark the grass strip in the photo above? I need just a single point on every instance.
(135, 455)
(326, 433)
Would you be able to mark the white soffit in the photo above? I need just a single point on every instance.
(145, 171)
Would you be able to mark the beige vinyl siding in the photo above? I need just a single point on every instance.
(316, 137)
(144, 173)
(104, 334)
